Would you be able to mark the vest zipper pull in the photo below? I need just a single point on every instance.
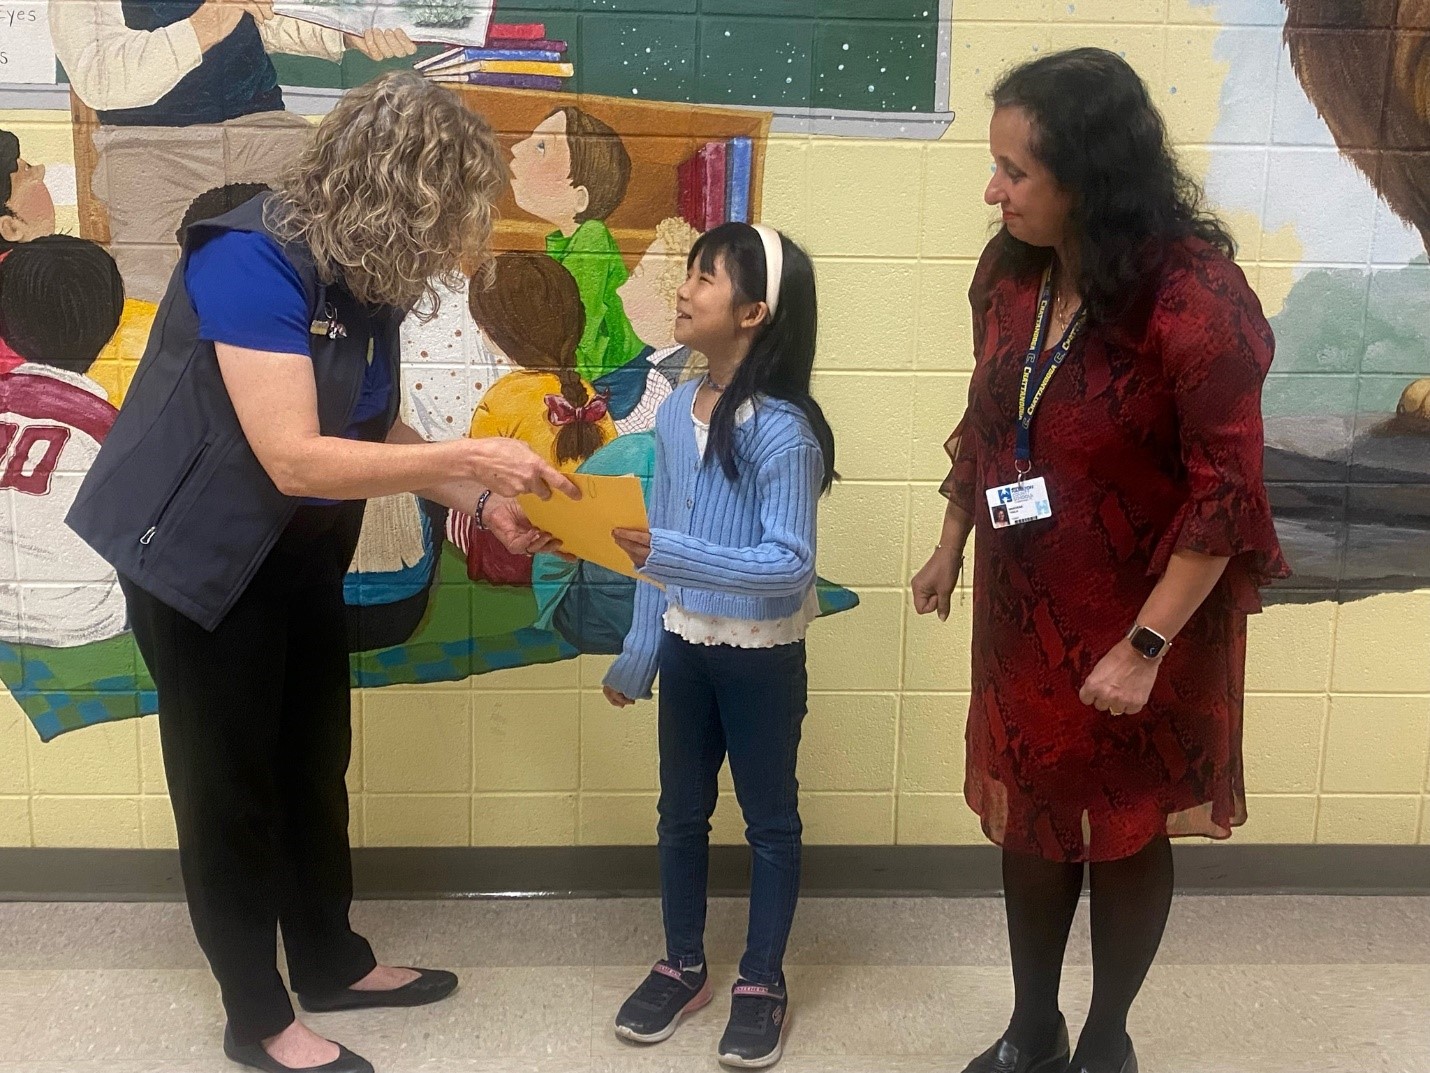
(149, 535)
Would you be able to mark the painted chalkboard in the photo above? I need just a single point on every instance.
(876, 56)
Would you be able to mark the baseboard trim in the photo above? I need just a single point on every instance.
(617, 871)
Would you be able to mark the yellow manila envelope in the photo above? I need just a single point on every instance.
(584, 525)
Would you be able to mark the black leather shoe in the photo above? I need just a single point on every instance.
(1004, 1057)
(1129, 1064)
(431, 985)
(255, 1057)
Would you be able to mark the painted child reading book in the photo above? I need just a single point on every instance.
(572, 172)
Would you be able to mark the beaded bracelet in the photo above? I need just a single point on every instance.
(481, 507)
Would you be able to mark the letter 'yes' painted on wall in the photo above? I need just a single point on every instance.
(27, 54)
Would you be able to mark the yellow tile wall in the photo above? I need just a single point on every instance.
(1338, 710)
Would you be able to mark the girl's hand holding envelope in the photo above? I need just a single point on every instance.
(588, 527)
(635, 543)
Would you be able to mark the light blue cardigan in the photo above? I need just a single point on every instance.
(739, 549)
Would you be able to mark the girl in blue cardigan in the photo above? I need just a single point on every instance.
(742, 456)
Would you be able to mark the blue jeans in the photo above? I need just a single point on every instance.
(749, 703)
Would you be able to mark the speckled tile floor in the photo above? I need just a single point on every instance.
(1244, 985)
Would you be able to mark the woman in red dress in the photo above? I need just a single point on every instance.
(1109, 461)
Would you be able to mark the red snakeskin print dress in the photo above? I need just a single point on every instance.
(1149, 443)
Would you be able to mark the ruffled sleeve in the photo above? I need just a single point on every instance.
(1216, 348)
(960, 487)
(961, 484)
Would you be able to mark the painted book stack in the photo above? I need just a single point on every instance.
(714, 184)
(515, 56)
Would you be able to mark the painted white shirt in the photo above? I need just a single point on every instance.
(112, 66)
(56, 590)
(657, 389)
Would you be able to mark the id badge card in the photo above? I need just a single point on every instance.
(1019, 503)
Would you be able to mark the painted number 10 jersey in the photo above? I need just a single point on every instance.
(55, 590)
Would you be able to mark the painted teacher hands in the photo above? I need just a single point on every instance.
(378, 44)
(216, 19)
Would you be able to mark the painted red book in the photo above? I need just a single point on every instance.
(541, 44)
(517, 31)
(688, 178)
(701, 184)
(712, 205)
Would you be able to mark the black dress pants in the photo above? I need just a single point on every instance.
(256, 728)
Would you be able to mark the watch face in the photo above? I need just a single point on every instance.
(1148, 643)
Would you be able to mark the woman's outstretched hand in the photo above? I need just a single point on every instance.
(933, 585)
(510, 468)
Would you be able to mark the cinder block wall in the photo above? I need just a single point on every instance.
(1338, 716)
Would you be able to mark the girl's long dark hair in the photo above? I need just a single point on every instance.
(1097, 130)
(782, 357)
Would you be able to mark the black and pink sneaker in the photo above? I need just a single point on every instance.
(666, 997)
(755, 1036)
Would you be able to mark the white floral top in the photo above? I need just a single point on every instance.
(701, 629)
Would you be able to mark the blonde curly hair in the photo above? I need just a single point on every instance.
(395, 194)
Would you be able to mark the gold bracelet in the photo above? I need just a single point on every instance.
(961, 556)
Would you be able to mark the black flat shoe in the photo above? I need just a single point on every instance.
(431, 985)
(1004, 1057)
(255, 1057)
(1129, 1064)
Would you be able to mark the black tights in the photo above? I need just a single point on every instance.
(1130, 902)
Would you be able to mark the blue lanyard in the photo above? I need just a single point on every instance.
(1029, 393)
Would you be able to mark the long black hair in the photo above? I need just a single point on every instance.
(782, 356)
(1097, 130)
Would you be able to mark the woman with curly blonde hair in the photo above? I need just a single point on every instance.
(229, 496)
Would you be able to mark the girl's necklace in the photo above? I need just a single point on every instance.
(719, 389)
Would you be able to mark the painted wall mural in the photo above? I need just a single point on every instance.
(1348, 406)
(570, 349)
(629, 133)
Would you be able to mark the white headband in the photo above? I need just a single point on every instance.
(774, 265)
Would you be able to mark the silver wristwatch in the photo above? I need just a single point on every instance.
(1149, 644)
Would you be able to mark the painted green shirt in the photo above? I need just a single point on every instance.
(591, 256)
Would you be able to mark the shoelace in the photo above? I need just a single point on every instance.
(751, 1013)
(658, 989)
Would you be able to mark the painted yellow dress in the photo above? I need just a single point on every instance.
(515, 406)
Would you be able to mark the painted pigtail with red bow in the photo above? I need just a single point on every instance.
(561, 411)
